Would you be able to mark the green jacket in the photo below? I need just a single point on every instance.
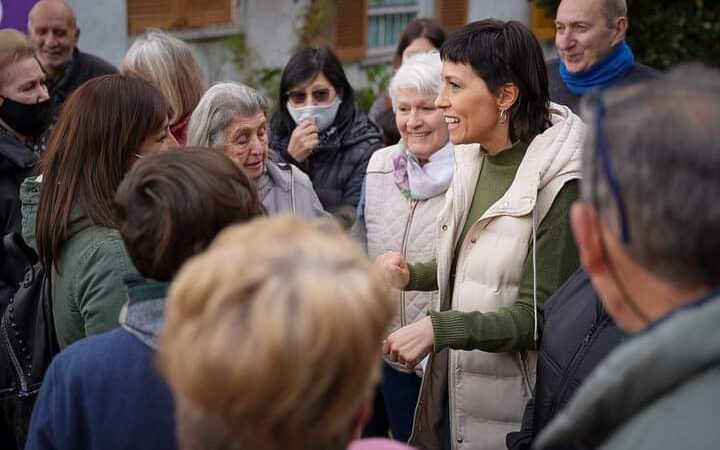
(659, 390)
(87, 283)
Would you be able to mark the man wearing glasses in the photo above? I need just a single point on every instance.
(648, 230)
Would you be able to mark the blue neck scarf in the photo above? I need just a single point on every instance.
(604, 73)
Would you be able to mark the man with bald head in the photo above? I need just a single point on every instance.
(53, 29)
(590, 40)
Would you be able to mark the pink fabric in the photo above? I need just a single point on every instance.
(179, 130)
(377, 444)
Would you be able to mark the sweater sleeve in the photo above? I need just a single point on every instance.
(423, 276)
(512, 328)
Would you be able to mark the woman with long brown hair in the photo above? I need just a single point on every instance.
(104, 127)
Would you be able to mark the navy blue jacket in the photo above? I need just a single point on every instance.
(577, 335)
(102, 392)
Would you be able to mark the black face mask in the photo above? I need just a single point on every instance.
(27, 119)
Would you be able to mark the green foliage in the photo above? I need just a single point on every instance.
(313, 22)
(664, 34)
(265, 79)
(378, 79)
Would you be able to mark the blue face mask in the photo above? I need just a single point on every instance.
(323, 116)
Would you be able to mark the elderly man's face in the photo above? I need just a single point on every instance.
(583, 35)
(246, 143)
(53, 31)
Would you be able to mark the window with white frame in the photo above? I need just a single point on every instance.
(386, 21)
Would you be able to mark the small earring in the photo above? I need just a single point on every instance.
(503, 115)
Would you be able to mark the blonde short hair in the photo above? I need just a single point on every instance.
(169, 64)
(14, 46)
(273, 338)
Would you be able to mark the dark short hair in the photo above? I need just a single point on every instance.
(506, 52)
(172, 204)
(303, 66)
(421, 27)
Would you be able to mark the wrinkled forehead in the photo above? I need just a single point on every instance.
(54, 15)
(22, 71)
(580, 11)
(249, 122)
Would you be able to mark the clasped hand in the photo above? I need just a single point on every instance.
(410, 344)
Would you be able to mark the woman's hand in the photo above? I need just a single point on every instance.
(303, 140)
(410, 344)
(394, 268)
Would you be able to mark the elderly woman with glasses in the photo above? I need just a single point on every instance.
(404, 192)
(319, 128)
(233, 117)
(504, 242)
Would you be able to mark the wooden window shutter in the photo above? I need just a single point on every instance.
(350, 37)
(452, 14)
(144, 14)
(541, 22)
(202, 13)
(176, 14)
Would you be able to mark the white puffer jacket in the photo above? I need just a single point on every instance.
(393, 223)
(488, 391)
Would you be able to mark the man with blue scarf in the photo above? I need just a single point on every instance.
(590, 39)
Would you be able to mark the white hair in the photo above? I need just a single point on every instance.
(218, 107)
(421, 72)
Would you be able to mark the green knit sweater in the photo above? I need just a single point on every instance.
(510, 328)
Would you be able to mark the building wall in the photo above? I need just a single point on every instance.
(103, 27)
(269, 27)
(505, 10)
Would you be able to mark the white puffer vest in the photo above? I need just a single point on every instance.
(488, 391)
(393, 223)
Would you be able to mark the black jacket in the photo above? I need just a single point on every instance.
(577, 335)
(83, 67)
(559, 93)
(16, 163)
(337, 167)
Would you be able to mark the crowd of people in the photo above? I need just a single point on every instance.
(504, 253)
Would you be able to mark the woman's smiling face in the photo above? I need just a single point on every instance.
(469, 107)
(421, 125)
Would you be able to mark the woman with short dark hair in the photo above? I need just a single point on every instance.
(105, 126)
(319, 128)
(505, 242)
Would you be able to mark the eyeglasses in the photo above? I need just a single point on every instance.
(602, 152)
(300, 97)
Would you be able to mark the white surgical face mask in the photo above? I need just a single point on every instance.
(323, 116)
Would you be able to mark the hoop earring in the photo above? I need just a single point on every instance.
(503, 115)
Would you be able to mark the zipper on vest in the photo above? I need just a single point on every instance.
(525, 372)
(419, 402)
(454, 438)
(403, 252)
(292, 191)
